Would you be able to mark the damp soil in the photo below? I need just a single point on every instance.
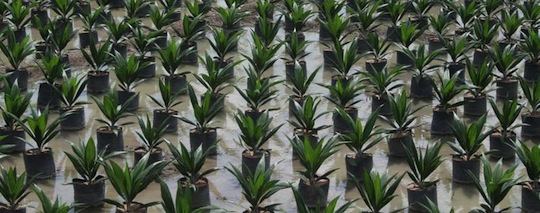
(226, 193)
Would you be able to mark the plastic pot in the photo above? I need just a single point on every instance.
(418, 197)
(357, 165)
(459, 69)
(529, 198)
(121, 48)
(150, 70)
(20, 34)
(398, 142)
(363, 45)
(501, 146)
(441, 121)
(289, 69)
(292, 100)
(190, 58)
(421, 87)
(340, 124)
(161, 42)
(381, 103)
(460, 168)
(375, 65)
(155, 156)
(42, 15)
(314, 195)
(251, 159)
(253, 114)
(531, 125)
(20, 76)
(98, 82)
(474, 106)
(89, 194)
(392, 33)
(135, 207)
(201, 195)
(47, 96)
(402, 59)
(531, 71)
(434, 43)
(113, 140)
(82, 7)
(73, 121)
(480, 56)
(302, 134)
(4, 209)
(161, 116)
(124, 96)
(85, 37)
(178, 83)
(39, 165)
(204, 139)
(13, 137)
(329, 58)
(507, 88)
(324, 34)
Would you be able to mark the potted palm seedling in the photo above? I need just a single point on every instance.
(223, 43)
(305, 116)
(117, 34)
(16, 52)
(169, 99)
(299, 85)
(422, 164)
(367, 16)
(259, 92)
(443, 112)
(379, 49)
(313, 186)
(258, 186)
(296, 53)
(262, 57)
(344, 60)
(144, 43)
(52, 69)
(111, 136)
(497, 184)
(296, 16)
(151, 137)
(64, 10)
(529, 188)
(489, 10)
(137, 9)
(14, 188)
(216, 79)
(192, 28)
(160, 20)
(344, 96)
(401, 124)
(439, 25)
(171, 59)
(529, 10)
(360, 140)
(469, 139)
(190, 165)
(231, 17)
(501, 141)
(380, 84)
(378, 190)
(203, 112)
(98, 58)
(19, 18)
(333, 30)
(15, 105)
(254, 134)
(510, 23)
(421, 9)
(332, 207)
(456, 48)
(421, 65)
(482, 36)
(331, 24)
(172, 6)
(267, 29)
(129, 183)
(39, 161)
(181, 202)
(89, 187)
(505, 61)
(90, 22)
(38, 9)
(408, 33)
(476, 96)
(530, 45)
(47, 206)
(70, 92)
(58, 39)
(127, 71)
(531, 118)
(395, 10)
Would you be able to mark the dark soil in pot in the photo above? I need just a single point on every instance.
(98, 82)
(421, 87)
(13, 137)
(501, 146)
(474, 106)
(89, 194)
(531, 71)
(75, 120)
(135, 207)
(20, 76)
(39, 165)
(123, 96)
(340, 124)
(4, 209)
(251, 159)
(47, 96)
(155, 156)
(178, 83)
(507, 88)
(314, 195)
(112, 140)
(381, 103)
(356, 165)
(162, 117)
(459, 69)
(86, 36)
(403, 59)
(375, 65)
(205, 139)
(460, 166)
(442, 121)
(191, 58)
(398, 142)
(418, 197)
(201, 195)
(529, 198)
(289, 69)
(150, 70)
(531, 124)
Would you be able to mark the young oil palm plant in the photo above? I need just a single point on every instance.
(501, 141)
(90, 23)
(344, 96)
(529, 189)
(15, 105)
(439, 25)
(192, 29)
(19, 17)
(379, 50)
(380, 85)
(314, 186)
(378, 190)
(16, 51)
(497, 184)
(150, 137)
(305, 116)
(359, 141)
(64, 10)
(422, 164)
(231, 17)
(296, 16)
(181, 202)
(530, 46)
(127, 71)
(217, 78)
(223, 43)
(443, 113)
(160, 20)
(530, 118)
(395, 10)
(53, 70)
(344, 60)
(14, 188)
(505, 61)
(469, 140)
(203, 134)
(267, 29)
(171, 59)
(168, 100)
(98, 57)
(190, 165)
(421, 9)
(258, 186)
(476, 95)
(259, 92)
(47, 206)
(144, 43)
(422, 66)
(332, 207)
(296, 52)
(117, 33)
(70, 93)
(510, 23)
(531, 13)
(129, 183)
(408, 33)
(482, 36)
(254, 134)
(456, 49)
(262, 57)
